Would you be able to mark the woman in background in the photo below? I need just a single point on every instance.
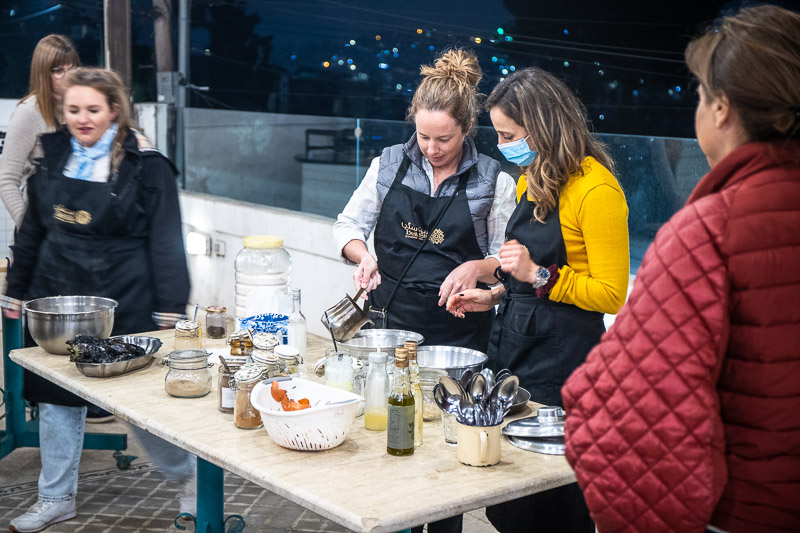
(39, 112)
(567, 262)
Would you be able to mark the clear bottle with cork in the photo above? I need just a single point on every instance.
(413, 372)
(400, 438)
(376, 393)
(296, 330)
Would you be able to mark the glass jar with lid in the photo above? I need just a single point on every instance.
(216, 321)
(187, 335)
(263, 271)
(290, 358)
(227, 394)
(273, 366)
(428, 378)
(245, 416)
(189, 374)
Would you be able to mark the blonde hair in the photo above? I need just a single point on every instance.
(556, 126)
(450, 85)
(753, 59)
(51, 52)
(109, 84)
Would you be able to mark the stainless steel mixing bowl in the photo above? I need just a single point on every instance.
(453, 359)
(55, 320)
(369, 340)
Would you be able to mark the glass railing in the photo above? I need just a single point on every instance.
(312, 164)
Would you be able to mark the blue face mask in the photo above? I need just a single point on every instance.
(518, 152)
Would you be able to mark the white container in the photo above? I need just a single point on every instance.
(322, 426)
(263, 273)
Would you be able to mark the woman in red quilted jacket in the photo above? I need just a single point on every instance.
(686, 416)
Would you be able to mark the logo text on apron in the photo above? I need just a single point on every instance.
(69, 216)
(420, 234)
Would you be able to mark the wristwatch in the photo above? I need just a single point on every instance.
(542, 277)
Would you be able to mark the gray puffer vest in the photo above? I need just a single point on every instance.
(480, 189)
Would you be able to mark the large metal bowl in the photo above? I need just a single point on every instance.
(453, 359)
(55, 320)
(370, 340)
(106, 370)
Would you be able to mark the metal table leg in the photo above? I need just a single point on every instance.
(19, 432)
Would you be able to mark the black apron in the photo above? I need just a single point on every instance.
(540, 340)
(90, 249)
(401, 229)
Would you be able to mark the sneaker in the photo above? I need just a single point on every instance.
(97, 415)
(42, 514)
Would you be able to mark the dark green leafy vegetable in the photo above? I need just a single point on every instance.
(89, 349)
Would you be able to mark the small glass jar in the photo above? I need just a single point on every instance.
(428, 378)
(189, 374)
(216, 322)
(245, 416)
(290, 358)
(241, 344)
(265, 341)
(227, 394)
(339, 370)
(187, 335)
(273, 366)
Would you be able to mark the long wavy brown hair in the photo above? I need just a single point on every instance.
(450, 85)
(753, 59)
(109, 84)
(52, 51)
(556, 125)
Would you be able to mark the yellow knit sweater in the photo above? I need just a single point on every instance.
(594, 225)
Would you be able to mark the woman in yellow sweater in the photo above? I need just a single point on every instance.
(565, 261)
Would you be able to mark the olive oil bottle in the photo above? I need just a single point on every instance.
(400, 439)
(416, 390)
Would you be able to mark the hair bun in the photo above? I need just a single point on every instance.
(459, 65)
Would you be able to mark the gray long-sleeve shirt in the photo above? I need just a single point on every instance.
(20, 151)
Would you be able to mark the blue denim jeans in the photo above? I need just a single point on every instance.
(60, 445)
(177, 464)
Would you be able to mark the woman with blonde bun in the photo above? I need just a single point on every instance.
(438, 209)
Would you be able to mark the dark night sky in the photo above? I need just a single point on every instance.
(623, 58)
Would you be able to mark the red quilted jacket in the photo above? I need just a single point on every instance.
(688, 411)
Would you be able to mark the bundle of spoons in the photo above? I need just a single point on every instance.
(478, 399)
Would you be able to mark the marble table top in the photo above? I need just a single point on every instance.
(356, 484)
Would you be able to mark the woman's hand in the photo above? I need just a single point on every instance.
(366, 275)
(463, 277)
(470, 301)
(11, 313)
(516, 260)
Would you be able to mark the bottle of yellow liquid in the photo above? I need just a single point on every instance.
(376, 393)
(400, 437)
(413, 371)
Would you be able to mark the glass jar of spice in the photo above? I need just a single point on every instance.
(273, 366)
(187, 335)
(189, 374)
(227, 395)
(245, 416)
(216, 321)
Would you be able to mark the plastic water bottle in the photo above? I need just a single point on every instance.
(263, 273)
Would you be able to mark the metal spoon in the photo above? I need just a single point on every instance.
(506, 392)
(503, 374)
(490, 379)
(445, 402)
(452, 387)
(478, 391)
(466, 376)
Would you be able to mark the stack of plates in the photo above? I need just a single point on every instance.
(543, 433)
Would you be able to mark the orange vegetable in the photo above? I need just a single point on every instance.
(279, 395)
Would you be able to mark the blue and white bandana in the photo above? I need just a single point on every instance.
(86, 157)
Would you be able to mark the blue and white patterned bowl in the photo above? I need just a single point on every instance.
(266, 323)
